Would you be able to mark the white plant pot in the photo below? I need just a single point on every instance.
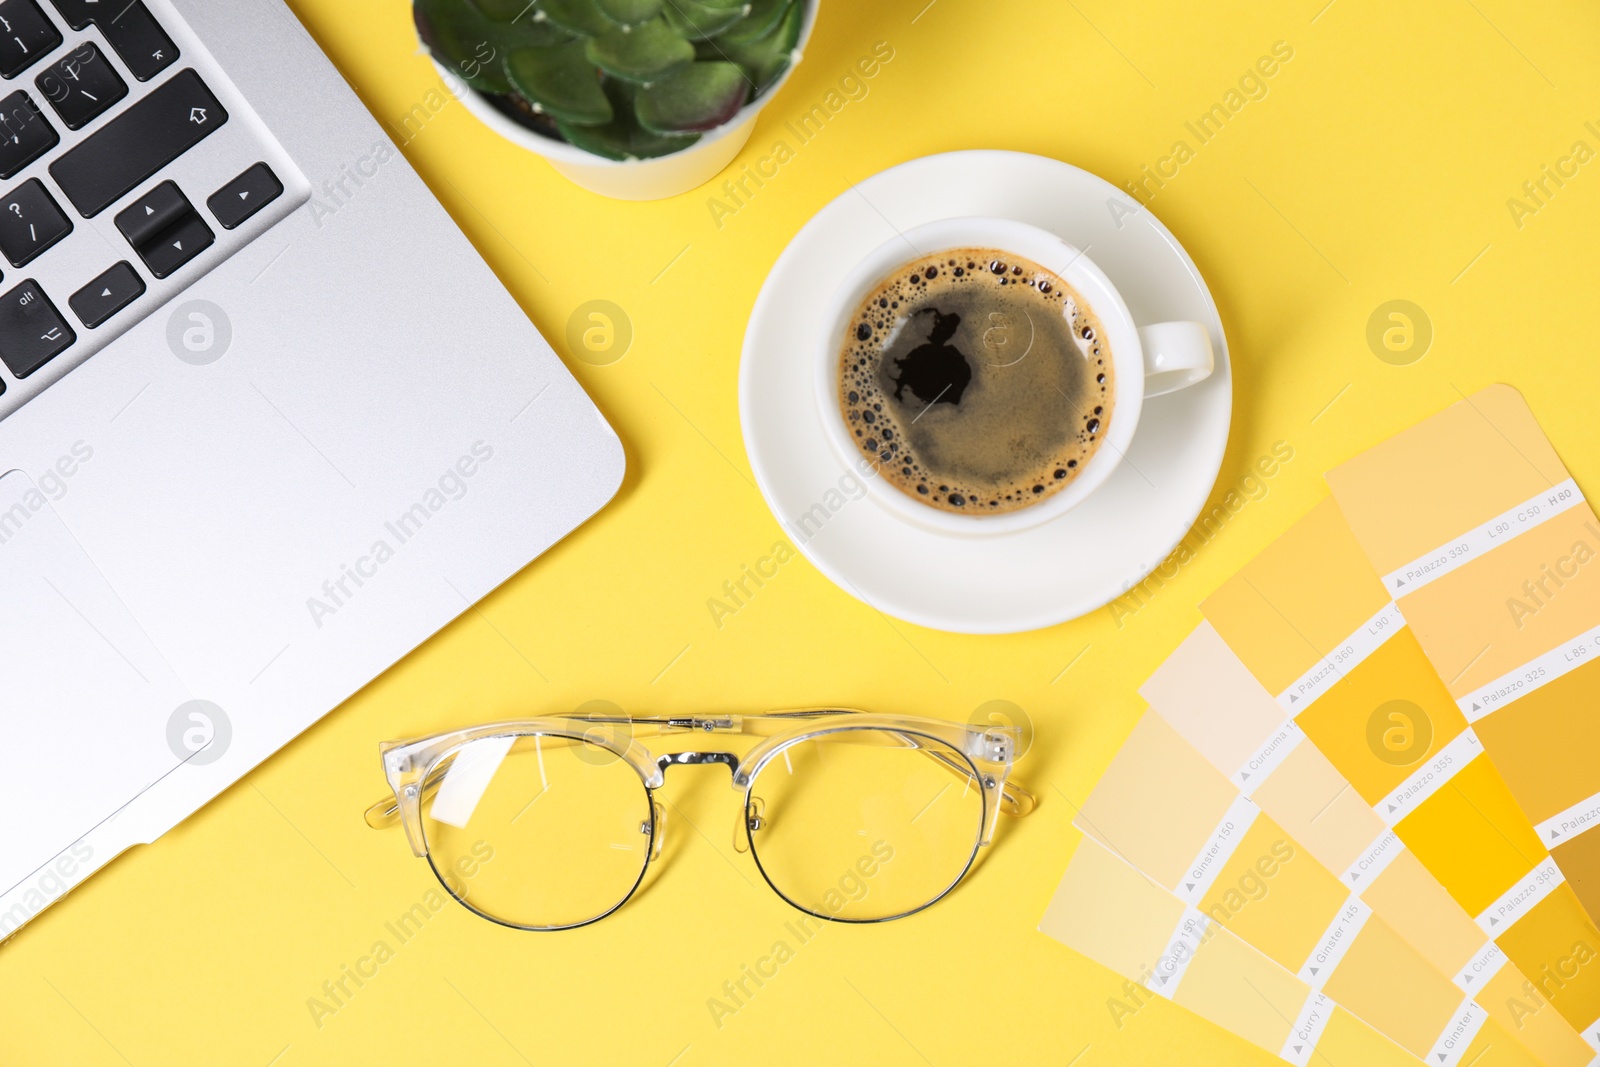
(636, 179)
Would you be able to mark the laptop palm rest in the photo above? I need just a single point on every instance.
(84, 706)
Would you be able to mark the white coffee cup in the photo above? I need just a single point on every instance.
(1146, 360)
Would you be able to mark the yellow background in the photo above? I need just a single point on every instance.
(1377, 167)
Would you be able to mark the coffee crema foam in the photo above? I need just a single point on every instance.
(977, 381)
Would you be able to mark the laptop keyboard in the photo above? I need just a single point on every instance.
(125, 174)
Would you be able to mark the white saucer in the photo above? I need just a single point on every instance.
(999, 583)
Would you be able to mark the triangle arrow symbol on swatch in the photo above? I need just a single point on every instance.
(1244, 776)
(1189, 886)
(1313, 970)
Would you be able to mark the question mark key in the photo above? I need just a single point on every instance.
(30, 222)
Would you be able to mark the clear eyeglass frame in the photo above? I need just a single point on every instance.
(980, 756)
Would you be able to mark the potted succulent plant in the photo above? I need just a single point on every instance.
(636, 99)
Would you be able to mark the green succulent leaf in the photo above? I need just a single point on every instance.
(560, 80)
(531, 29)
(700, 96)
(532, 32)
(630, 12)
(521, 24)
(623, 137)
(503, 10)
(697, 21)
(461, 39)
(766, 58)
(582, 17)
(644, 53)
(764, 17)
(722, 5)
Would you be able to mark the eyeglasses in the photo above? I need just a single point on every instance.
(548, 824)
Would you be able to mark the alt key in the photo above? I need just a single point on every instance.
(107, 294)
(32, 332)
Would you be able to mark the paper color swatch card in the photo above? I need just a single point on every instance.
(1205, 693)
(1373, 770)
(1311, 622)
(1218, 853)
(1493, 556)
(1120, 919)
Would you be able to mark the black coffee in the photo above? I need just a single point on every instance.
(977, 381)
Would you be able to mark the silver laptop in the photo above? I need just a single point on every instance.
(267, 420)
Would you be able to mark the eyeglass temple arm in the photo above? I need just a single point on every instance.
(1014, 800)
(384, 814)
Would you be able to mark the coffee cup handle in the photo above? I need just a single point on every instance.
(1176, 356)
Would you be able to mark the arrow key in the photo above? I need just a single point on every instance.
(164, 228)
(108, 294)
(144, 219)
(245, 195)
(177, 245)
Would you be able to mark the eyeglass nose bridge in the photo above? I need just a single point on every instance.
(673, 759)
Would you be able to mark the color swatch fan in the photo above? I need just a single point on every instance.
(1373, 765)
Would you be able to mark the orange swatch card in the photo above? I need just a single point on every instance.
(1493, 556)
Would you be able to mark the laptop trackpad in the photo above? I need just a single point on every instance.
(84, 703)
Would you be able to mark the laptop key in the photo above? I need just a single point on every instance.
(139, 39)
(32, 331)
(145, 137)
(30, 222)
(78, 13)
(164, 228)
(245, 195)
(143, 220)
(108, 294)
(81, 85)
(26, 34)
(25, 134)
(177, 246)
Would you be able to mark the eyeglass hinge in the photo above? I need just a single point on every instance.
(697, 723)
(993, 746)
